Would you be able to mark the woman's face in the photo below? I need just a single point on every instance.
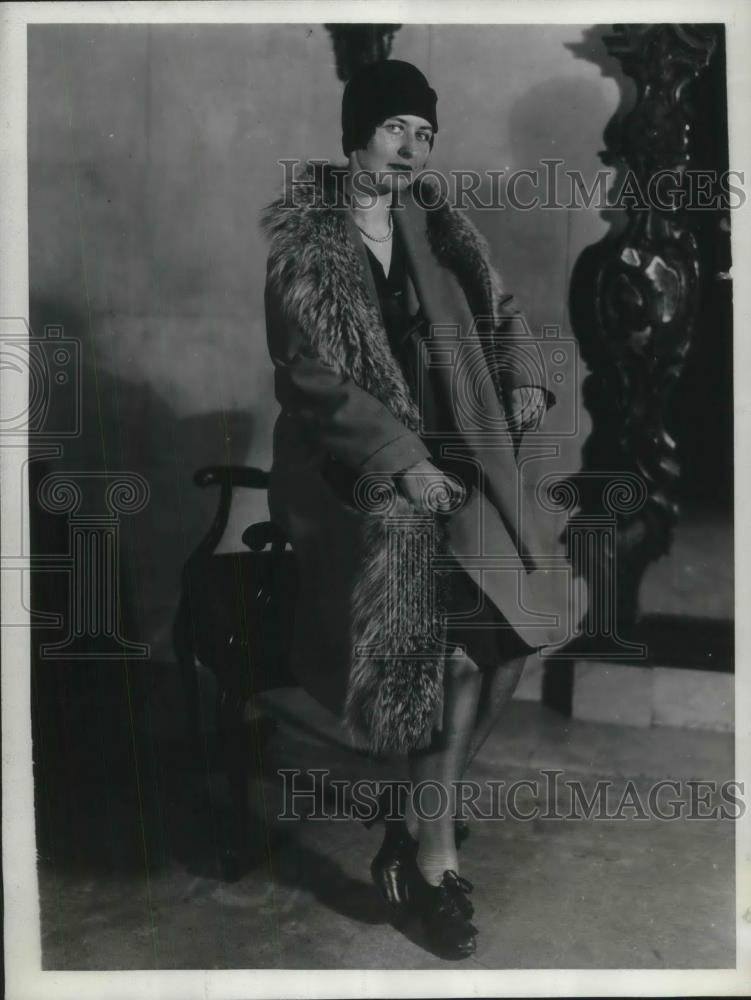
(397, 150)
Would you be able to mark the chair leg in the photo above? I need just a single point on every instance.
(184, 655)
(233, 738)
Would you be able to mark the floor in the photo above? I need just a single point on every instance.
(696, 578)
(130, 829)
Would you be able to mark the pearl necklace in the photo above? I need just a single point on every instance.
(379, 239)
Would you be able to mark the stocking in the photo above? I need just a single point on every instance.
(441, 765)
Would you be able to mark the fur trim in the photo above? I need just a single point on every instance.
(396, 679)
(458, 245)
(317, 268)
(396, 676)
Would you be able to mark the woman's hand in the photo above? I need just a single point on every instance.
(429, 489)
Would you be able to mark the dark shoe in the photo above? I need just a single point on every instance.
(388, 866)
(445, 911)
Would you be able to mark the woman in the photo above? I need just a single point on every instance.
(365, 271)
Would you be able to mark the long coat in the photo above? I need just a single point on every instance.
(367, 632)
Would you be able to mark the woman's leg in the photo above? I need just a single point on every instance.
(440, 766)
(498, 686)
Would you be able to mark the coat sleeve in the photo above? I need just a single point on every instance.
(335, 415)
(523, 363)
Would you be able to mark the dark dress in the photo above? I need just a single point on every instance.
(484, 632)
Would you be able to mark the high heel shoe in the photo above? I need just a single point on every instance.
(445, 911)
(397, 851)
(388, 867)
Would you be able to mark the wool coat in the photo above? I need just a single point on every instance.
(367, 636)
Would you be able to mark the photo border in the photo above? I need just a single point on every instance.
(24, 978)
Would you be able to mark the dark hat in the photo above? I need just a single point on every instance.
(377, 92)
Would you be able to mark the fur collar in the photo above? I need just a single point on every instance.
(314, 265)
(310, 217)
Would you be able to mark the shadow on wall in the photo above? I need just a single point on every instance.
(546, 242)
(91, 725)
(555, 128)
(128, 427)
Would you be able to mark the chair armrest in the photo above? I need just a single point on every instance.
(232, 475)
(258, 536)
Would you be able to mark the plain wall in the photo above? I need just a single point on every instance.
(152, 150)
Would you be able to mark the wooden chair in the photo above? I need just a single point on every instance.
(234, 617)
